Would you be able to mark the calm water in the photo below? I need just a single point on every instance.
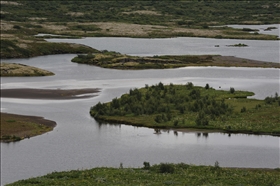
(79, 142)
(257, 50)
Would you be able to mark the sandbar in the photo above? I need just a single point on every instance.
(59, 94)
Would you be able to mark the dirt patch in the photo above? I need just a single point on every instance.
(55, 94)
(123, 29)
(6, 26)
(145, 12)
(55, 27)
(37, 18)
(75, 14)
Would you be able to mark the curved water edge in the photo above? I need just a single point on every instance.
(257, 50)
(79, 142)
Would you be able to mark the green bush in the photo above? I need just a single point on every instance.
(166, 168)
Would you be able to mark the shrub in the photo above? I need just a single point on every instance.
(207, 86)
(189, 85)
(146, 165)
(176, 122)
(16, 27)
(166, 168)
(243, 110)
(231, 90)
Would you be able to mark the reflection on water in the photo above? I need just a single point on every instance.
(79, 142)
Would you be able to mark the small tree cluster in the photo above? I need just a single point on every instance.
(161, 101)
(231, 90)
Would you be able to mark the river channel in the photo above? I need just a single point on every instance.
(79, 142)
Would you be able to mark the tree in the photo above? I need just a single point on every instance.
(231, 90)
(207, 86)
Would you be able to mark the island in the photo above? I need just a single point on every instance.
(192, 107)
(15, 69)
(16, 127)
(115, 60)
(238, 45)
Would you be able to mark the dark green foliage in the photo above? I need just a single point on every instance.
(161, 101)
(202, 119)
(189, 85)
(146, 165)
(231, 90)
(186, 13)
(16, 27)
(166, 168)
(182, 174)
(207, 86)
(270, 100)
(243, 109)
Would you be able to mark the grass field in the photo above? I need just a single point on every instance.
(158, 175)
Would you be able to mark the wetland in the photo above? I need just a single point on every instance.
(79, 141)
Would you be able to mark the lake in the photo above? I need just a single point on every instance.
(79, 142)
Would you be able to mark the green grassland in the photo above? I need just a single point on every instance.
(162, 174)
(22, 20)
(187, 106)
(116, 60)
(179, 13)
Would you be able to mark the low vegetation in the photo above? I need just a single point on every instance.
(116, 60)
(188, 106)
(160, 174)
(22, 20)
(13, 69)
(17, 127)
(28, 48)
(238, 45)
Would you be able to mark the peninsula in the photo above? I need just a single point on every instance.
(107, 59)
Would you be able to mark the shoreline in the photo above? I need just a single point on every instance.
(190, 129)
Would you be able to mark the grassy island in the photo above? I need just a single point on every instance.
(13, 69)
(17, 127)
(238, 45)
(108, 59)
(158, 175)
(188, 106)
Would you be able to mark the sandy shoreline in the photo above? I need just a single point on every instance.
(28, 93)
